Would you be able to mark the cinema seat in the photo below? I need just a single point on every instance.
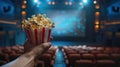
(108, 48)
(83, 63)
(95, 52)
(118, 64)
(2, 62)
(69, 52)
(4, 57)
(105, 63)
(102, 56)
(51, 53)
(82, 51)
(107, 51)
(100, 48)
(72, 58)
(116, 50)
(115, 57)
(40, 64)
(20, 51)
(6, 49)
(14, 48)
(47, 58)
(91, 48)
(88, 56)
(13, 56)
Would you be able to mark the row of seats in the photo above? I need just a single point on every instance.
(99, 63)
(96, 48)
(91, 56)
(10, 53)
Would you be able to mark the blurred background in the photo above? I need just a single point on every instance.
(76, 21)
(84, 29)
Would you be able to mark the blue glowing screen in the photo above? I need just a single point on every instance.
(67, 22)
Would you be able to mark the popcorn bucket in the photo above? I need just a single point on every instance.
(38, 36)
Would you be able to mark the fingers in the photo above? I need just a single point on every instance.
(33, 50)
(46, 45)
(28, 46)
(38, 50)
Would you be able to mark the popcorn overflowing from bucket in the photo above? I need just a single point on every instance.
(38, 28)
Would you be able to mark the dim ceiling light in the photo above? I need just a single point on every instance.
(97, 6)
(80, 3)
(95, 2)
(23, 6)
(96, 26)
(35, 1)
(85, 1)
(49, 3)
(53, 3)
(25, 2)
(97, 22)
(70, 3)
(23, 13)
(66, 3)
(97, 13)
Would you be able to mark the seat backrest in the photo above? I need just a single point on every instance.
(102, 56)
(40, 64)
(100, 48)
(105, 63)
(88, 56)
(82, 52)
(45, 57)
(95, 51)
(115, 57)
(83, 63)
(72, 58)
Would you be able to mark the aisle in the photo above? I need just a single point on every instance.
(59, 60)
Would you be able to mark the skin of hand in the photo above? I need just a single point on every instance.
(29, 58)
(36, 50)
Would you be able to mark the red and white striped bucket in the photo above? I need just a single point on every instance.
(38, 36)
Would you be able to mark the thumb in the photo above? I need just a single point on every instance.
(38, 50)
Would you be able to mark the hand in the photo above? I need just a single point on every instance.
(29, 58)
(29, 46)
(32, 49)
